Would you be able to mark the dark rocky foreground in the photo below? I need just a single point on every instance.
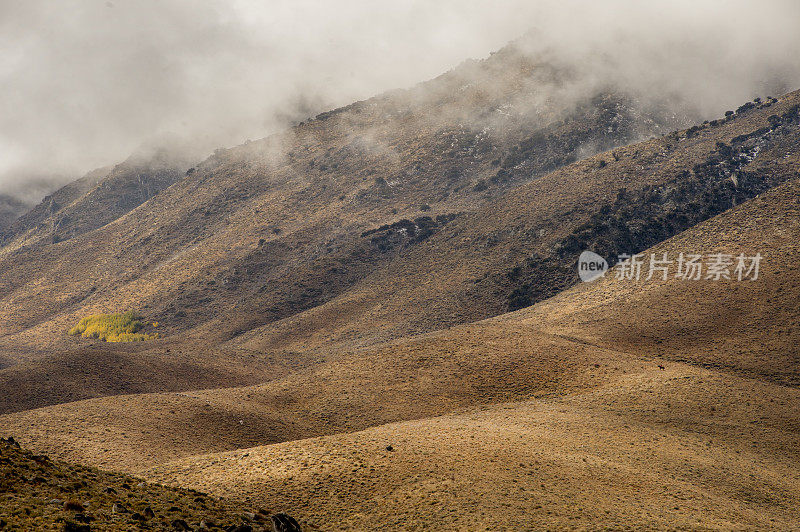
(37, 493)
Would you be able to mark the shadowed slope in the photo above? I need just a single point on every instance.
(97, 371)
(43, 494)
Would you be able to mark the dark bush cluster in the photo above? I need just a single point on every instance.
(405, 232)
(560, 144)
(637, 220)
(692, 131)
(502, 176)
(740, 139)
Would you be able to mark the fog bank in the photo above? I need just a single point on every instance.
(83, 83)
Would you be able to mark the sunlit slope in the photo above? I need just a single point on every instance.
(527, 241)
(681, 448)
(748, 327)
(706, 440)
(555, 347)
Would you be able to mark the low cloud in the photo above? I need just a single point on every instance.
(83, 83)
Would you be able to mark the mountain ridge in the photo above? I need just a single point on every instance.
(373, 319)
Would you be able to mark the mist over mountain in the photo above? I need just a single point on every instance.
(325, 258)
(83, 84)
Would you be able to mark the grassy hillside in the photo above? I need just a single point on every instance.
(427, 273)
(582, 340)
(685, 425)
(264, 231)
(373, 320)
(634, 391)
(682, 448)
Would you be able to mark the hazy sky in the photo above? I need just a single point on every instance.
(84, 82)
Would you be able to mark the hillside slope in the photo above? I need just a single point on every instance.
(40, 215)
(568, 345)
(697, 433)
(334, 305)
(389, 282)
(524, 246)
(682, 448)
(264, 231)
(700, 440)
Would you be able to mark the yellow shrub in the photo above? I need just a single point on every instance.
(123, 327)
(131, 337)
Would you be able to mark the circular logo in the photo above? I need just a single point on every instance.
(591, 266)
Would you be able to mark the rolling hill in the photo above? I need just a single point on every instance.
(550, 387)
(373, 319)
(679, 404)
(383, 283)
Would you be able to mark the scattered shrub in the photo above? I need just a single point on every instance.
(692, 131)
(638, 219)
(502, 176)
(453, 174)
(724, 150)
(123, 327)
